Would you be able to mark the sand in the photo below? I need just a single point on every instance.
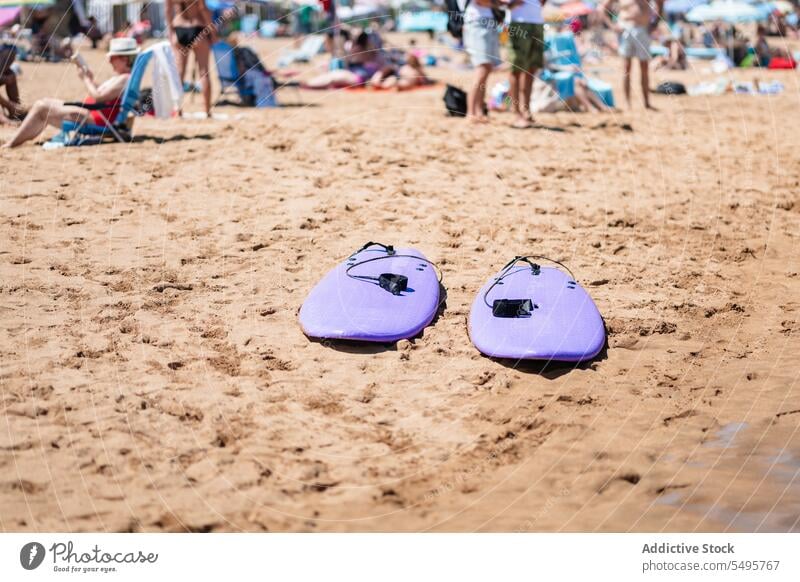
(155, 378)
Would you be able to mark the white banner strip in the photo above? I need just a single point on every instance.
(400, 557)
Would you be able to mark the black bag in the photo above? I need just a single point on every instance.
(499, 15)
(145, 103)
(455, 18)
(455, 100)
(671, 88)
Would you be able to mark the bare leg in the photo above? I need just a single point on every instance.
(527, 91)
(43, 113)
(181, 58)
(202, 51)
(645, 70)
(582, 98)
(477, 97)
(516, 94)
(513, 90)
(627, 81)
(339, 78)
(597, 102)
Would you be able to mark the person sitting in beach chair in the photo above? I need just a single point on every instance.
(240, 68)
(101, 105)
(564, 71)
(11, 109)
(546, 98)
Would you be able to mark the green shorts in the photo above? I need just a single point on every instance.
(526, 46)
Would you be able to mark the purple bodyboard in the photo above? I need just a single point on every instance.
(565, 324)
(340, 307)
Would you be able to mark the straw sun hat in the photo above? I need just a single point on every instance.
(123, 47)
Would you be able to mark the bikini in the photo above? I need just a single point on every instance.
(187, 35)
(110, 112)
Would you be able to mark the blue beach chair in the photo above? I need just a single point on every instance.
(228, 72)
(120, 129)
(564, 65)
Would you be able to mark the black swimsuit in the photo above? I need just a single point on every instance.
(187, 35)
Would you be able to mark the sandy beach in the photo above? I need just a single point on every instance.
(153, 375)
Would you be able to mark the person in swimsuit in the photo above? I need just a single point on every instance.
(11, 109)
(402, 78)
(634, 19)
(191, 30)
(361, 62)
(121, 55)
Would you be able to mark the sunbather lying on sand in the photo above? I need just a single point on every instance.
(362, 60)
(407, 76)
(122, 53)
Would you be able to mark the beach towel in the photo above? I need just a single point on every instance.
(781, 63)
(370, 89)
(167, 87)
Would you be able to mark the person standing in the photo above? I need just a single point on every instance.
(634, 19)
(190, 28)
(526, 52)
(482, 41)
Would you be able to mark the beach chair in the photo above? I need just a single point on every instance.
(119, 129)
(564, 65)
(229, 77)
(311, 47)
(228, 72)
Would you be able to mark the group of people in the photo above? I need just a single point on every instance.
(190, 30)
(360, 60)
(481, 20)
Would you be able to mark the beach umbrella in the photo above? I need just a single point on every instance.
(682, 6)
(8, 14)
(728, 11)
(765, 9)
(783, 6)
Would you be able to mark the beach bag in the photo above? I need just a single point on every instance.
(455, 17)
(781, 63)
(671, 88)
(455, 100)
(145, 105)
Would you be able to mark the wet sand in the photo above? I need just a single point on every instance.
(154, 376)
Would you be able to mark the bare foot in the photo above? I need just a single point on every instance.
(522, 123)
(649, 107)
(478, 118)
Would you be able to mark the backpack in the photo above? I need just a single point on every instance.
(671, 88)
(455, 18)
(455, 101)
